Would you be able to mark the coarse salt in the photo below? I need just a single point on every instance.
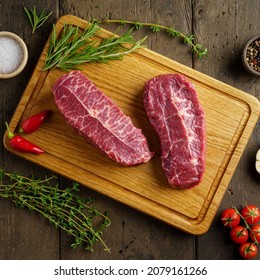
(11, 55)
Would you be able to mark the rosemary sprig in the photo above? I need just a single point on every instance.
(187, 39)
(36, 20)
(62, 207)
(74, 47)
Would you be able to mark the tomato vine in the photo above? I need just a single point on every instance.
(244, 229)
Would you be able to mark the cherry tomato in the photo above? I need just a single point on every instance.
(239, 234)
(230, 218)
(248, 250)
(255, 234)
(251, 214)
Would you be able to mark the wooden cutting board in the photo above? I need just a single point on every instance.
(230, 118)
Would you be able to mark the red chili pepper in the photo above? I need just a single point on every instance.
(34, 122)
(21, 144)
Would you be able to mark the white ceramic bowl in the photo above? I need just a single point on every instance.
(24, 57)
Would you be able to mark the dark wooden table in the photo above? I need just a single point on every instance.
(223, 27)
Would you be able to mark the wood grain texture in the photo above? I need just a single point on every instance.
(222, 27)
(230, 118)
(231, 24)
(20, 229)
(129, 225)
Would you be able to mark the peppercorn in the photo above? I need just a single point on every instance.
(253, 55)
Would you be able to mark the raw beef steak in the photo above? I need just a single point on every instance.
(174, 111)
(99, 120)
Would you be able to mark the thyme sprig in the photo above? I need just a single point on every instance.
(36, 20)
(62, 207)
(187, 39)
(74, 47)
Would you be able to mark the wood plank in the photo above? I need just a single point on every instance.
(143, 187)
(21, 234)
(225, 39)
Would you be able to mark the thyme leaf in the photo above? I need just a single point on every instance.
(36, 20)
(187, 39)
(74, 47)
(62, 207)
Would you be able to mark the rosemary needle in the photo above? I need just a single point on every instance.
(74, 47)
(36, 20)
(62, 207)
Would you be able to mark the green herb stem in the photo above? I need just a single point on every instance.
(187, 39)
(36, 20)
(73, 47)
(62, 207)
